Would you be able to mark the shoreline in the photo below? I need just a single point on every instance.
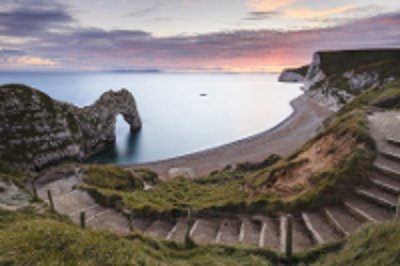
(282, 139)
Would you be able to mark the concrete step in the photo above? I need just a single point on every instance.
(90, 212)
(228, 232)
(302, 240)
(391, 154)
(366, 210)
(385, 182)
(269, 233)
(343, 220)
(111, 220)
(387, 167)
(58, 187)
(178, 232)
(73, 201)
(250, 231)
(320, 228)
(378, 196)
(204, 230)
(393, 141)
(301, 237)
(159, 228)
(141, 223)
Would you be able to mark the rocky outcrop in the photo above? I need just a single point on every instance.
(37, 131)
(334, 78)
(293, 74)
(97, 122)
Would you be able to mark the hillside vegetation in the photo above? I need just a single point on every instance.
(27, 238)
(374, 245)
(335, 62)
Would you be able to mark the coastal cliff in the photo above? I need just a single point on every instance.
(334, 78)
(37, 131)
(294, 74)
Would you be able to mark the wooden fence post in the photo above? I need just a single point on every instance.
(188, 240)
(289, 239)
(398, 208)
(34, 190)
(50, 197)
(83, 220)
(130, 222)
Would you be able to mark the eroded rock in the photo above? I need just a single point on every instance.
(36, 131)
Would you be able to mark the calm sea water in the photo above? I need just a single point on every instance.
(176, 118)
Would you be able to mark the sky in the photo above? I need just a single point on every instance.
(188, 35)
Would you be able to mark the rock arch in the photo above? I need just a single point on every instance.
(97, 122)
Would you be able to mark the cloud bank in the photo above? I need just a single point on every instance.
(48, 36)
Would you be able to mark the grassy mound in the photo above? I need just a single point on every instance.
(113, 177)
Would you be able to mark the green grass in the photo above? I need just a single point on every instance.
(176, 195)
(112, 177)
(31, 239)
(333, 62)
(373, 245)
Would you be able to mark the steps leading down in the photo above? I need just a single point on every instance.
(178, 232)
(343, 220)
(250, 230)
(159, 228)
(302, 239)
(319, 226)
(269, 233)
(205, 230)
(228, 232)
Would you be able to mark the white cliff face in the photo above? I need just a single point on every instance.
(332, 99)
(359, 81)
(334, 91)
(37, 131)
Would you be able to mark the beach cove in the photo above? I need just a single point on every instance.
(283, 139)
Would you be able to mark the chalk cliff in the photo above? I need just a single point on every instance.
(37, 131)
(335, 77)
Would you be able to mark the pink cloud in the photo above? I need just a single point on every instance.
(269, 5)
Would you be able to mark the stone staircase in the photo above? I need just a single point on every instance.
(374, 202)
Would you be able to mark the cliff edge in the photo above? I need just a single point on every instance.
(37, 131)
(334, 78)
(294, 74)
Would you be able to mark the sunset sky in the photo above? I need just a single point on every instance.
(188, 35)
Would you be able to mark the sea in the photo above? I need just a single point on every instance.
(181, 113)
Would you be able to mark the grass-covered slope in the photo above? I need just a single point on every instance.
(334, 62)
(27, 238)
(373, 245)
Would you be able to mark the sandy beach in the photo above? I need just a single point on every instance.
(283, 139)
